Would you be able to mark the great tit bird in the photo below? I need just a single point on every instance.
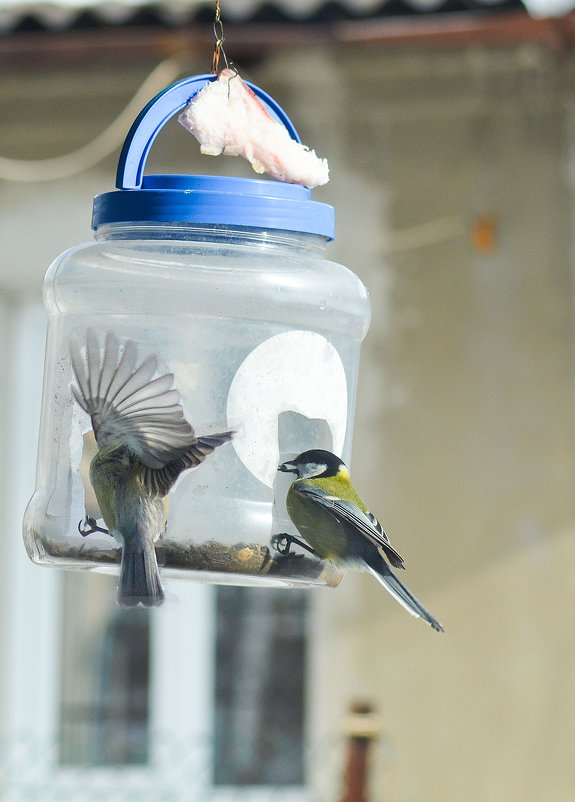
(144, 443)
(333, 519)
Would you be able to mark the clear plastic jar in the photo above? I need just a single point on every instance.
(262, 335)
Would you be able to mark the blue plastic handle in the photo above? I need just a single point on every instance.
(162, 108)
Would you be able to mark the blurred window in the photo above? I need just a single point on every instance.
(259, 691)
(258, 704)
(104, 708)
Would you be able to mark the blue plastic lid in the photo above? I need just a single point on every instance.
(245, 202)
(204, 199)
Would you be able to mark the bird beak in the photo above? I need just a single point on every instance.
(287, 467)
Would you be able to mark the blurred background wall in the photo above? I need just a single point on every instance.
(452, 178)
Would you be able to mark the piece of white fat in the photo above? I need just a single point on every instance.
(226, 117)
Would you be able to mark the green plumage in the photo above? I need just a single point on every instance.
(336, 523)
(317, 524)
(144, 443)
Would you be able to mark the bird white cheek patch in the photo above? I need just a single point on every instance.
(294, 372)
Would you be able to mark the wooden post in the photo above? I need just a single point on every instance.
(362, 727)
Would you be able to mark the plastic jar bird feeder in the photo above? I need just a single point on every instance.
(223, 280)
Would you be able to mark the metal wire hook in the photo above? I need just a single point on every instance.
(218, 27)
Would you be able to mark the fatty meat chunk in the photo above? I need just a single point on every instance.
(226, 117)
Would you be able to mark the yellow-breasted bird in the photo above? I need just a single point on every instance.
(144, 443)
(333, 519)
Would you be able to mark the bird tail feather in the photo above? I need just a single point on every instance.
(139, 576)
(381, 571)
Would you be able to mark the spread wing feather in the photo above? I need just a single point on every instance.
(158, 482)
(345, 511)
(126, 405)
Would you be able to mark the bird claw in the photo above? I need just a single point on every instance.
(88, 526)
(283, 542)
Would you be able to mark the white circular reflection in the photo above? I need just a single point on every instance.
(297, 371)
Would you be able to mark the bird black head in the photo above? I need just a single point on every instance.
(314, 463)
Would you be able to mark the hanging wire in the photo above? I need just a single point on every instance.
(430, 233)
(104, 144)
(219, 36)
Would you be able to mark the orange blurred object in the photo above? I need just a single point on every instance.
(484, 234)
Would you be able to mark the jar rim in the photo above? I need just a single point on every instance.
(206, 232)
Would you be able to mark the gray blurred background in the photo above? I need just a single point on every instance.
(452, 165)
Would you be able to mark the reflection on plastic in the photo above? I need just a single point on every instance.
(296, 371)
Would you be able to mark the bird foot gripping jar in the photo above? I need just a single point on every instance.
(204, 306)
